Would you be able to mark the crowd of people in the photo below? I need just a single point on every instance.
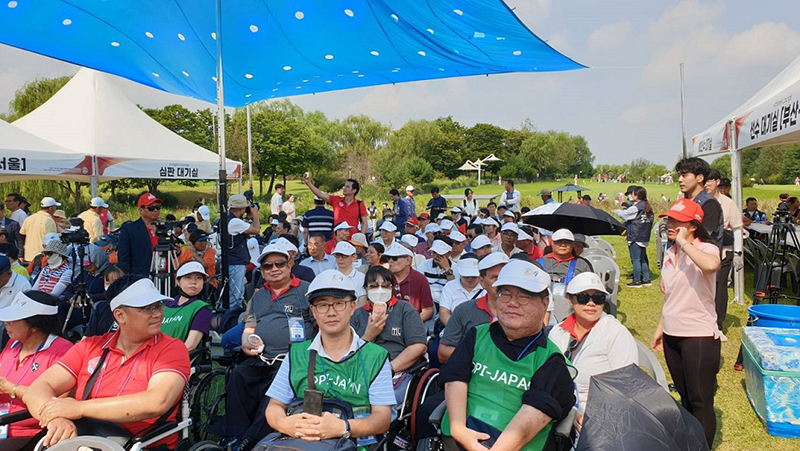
(357, 300)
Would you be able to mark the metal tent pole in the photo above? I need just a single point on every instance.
(736, 175)
(95, 176)
(683, 114)
(223, 172)
(249, 148)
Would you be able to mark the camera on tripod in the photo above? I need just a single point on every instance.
(76, 234)
(165, 231)
(782, 215)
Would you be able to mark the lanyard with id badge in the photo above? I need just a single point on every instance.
(297, 329)
(560, 286)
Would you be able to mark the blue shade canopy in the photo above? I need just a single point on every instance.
(279, 48)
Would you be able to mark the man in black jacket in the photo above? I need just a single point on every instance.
(137, 239)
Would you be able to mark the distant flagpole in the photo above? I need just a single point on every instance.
(683, 113)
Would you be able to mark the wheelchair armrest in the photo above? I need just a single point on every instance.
(564, 427)
(419, 368)
(438, 414)
(15, 417)
(152, 433)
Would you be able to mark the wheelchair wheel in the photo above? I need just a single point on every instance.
(427, 385)
(206, 445)
(430, 444)
(207, 403)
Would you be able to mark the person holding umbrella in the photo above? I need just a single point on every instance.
(687, 332)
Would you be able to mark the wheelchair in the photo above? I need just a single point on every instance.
(96, 435)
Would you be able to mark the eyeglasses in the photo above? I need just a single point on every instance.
(375, 285)
(153, 207)
(341, 256)
(280, 264)
(521, 297)
(152, 308)
(338, 306)
(562, 243)
(597, 298)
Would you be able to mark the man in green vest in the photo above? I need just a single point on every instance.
(346, 368)
(506, 383)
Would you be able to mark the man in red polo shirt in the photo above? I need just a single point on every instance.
(411, 286)
(346, 208)
(142, 372)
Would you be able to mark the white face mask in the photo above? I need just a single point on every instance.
(379, 295)
(54, 261)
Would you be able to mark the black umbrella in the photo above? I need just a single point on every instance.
(577, 218)
(628, 410)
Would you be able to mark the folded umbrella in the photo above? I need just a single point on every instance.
(577, 218)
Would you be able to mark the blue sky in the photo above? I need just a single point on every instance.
(627, 105)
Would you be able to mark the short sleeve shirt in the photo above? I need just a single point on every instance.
(454, 294)
(689, 293)
(403, 327)
(465, 317)
(25, 372)
(237, 226)
(34, 229)
(351, 213)
(415, 290)
(122, 376)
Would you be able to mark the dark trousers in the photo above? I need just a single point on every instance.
(721, 297)
(424, 428)
(693, 363)
(246, 400)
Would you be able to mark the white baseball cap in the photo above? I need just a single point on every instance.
(455, 235)
(343, 226)
(446, 224)
(440, 247)
(191, 267)
(398, 250)
(98, 202)
(410, 239)
(272, 248)
(468, 267)
(141, 293)
(563, 234)
(489, 222)
(409, 188)
(478, 220)
(48, 237)
(432, 227)
(344, 248)
(509, 213)
(510, 226)
(49, 202)
(286, 244)
(456, 210)
(388, 226)
(23, 306)
(492, 260)
(479, 242)
(524, 275)
(204, 211)
(330, 283)
(522, 235)
(586, 281)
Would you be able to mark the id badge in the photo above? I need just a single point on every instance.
(360, 413)
(559, 289)
(4, 409)
(297, 330)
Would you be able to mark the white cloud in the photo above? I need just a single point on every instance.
(687, 16)
(651, 113)
(531, 12)
(609, 36)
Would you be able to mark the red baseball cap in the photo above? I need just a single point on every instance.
(413, 221)
(424, 216)
(148, 199)
(684, 210)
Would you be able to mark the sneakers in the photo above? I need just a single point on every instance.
(647, 284)
(633, 285)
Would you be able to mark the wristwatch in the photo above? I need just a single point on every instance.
(346, 433)
(449, 272)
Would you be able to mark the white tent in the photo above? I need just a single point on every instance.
(768, 118)
(24, 156)
(91, 116)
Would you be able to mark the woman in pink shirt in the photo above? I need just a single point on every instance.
(32, 324)
(687, 331)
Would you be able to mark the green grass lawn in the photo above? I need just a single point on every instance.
(639, 309)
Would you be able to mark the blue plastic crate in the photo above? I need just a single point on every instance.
(772, 377)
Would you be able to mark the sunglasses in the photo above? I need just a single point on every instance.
(280, 264)
(574, 343)
(597, 298)
(153, 207)
(375, 285)
(394, 258)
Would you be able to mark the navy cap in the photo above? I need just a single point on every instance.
(5, 264)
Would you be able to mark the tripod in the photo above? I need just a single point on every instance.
(80, 299)
(767, 288)
(163, 267)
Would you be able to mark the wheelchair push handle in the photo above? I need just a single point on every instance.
(15, 417)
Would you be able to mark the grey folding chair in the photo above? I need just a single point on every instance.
(649, 361)
(608, 271)
(604, 245)
(594, 251)
(561, 308)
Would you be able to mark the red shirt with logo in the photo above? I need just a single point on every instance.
(352, 213)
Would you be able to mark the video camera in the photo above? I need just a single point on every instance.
(782, 215)
(249, 196)
(165, 231)
(76, 234)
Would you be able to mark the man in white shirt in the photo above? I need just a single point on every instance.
(511, 197)
(14, 205)
(345, 255)
(388, 232)
(276, 204)
(239, 255)
(463, 289)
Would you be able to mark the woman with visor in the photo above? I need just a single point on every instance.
(32, 324)
(593, 341)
